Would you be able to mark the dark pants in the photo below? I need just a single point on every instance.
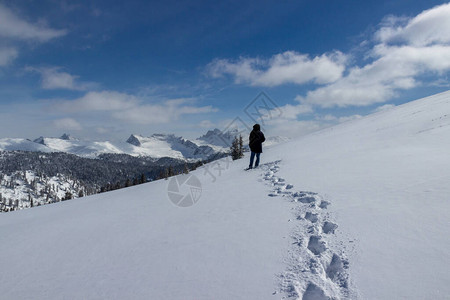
(252, 156)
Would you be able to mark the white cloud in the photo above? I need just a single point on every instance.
(7, 55)
(393, 67)
(283, 68)
(396, 68)
(430, 27)
(67, 124)
(384, 108)
(52, 78)
(101, 130)
(160, 113)
(327, 118)
(206, 124)
(348, 92)
(12, 26)
(349, 118)
(130, 108)
(288, 111)
(408, 52)
(97, 101)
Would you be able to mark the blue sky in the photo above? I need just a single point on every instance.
(105, 69)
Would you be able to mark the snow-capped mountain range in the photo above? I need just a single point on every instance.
(155, 146)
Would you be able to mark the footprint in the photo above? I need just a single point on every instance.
(311, 217)
(324, 204)
(303, 194)
(304, 197)
(307, 199)
(335, 271)
(329, 227)
(313, 292)
(315, 245)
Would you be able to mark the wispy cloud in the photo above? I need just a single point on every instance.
(283, 68)
(129, 108)
(7, 55)
(206, 124)
(67, 124)
(97, 101)
(53, 78)
(14, 27)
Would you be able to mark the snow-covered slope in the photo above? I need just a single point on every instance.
(11, 144)
(135, 244)
(82, 148)
(387, 175)
(275, 140)
(359, 210)
(162, 145)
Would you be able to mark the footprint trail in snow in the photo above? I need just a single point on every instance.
(317, 266)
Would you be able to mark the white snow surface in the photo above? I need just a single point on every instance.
(358, 211)
(387, 177)
(275, 140)
(12, 144)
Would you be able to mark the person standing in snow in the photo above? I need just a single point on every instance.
(256, 139)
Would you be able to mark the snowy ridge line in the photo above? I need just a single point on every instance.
(317, 267)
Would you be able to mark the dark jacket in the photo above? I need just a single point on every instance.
(255, 140)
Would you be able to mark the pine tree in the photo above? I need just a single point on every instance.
(117, 186)
(171, 172)
(68, 196)
(128, 183)
(165, 173)
(235, 149)
(241, 146)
